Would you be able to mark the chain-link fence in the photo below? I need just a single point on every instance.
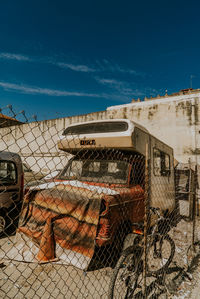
(94, 210)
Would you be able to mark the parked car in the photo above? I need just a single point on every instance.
(52, 174)
(49, 177)
(30, 175)
(11, 190)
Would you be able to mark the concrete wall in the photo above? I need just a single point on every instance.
(36, 142)
(173, 119)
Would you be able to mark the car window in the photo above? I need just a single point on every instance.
(161, 163)
(101, 171)
(8, 172)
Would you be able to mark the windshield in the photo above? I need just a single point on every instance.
(99, 171)
(8, 173)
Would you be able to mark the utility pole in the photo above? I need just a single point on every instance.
(191, 76)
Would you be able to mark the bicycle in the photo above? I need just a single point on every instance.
(127, 277)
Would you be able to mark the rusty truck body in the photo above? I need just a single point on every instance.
(85, 213)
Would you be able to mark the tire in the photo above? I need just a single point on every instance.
(126, 276)
(193, 251)
(2, 223)
(13, 218)
(8, 221)
(117, 246)
(166, 248)
(129, 240)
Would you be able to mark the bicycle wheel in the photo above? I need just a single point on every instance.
(127, 275)
(193, 252)
(160, 254)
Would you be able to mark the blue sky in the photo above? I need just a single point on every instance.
(62, 58)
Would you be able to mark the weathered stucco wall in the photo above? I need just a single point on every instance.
(36, 142)
(174, 120)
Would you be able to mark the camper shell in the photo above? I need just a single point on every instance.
(103, 134)
(99, 197)
(127, 137)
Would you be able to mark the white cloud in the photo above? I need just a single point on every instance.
(123, 87)
(101, 66)
(111, 82)
(104, 66)
(126, 90)
(108, 66)
(76, 67)
(33, 90)
(11, 56)
(45, 91)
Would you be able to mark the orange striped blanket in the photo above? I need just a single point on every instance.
(64, 217)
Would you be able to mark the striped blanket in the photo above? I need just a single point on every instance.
(61, 223)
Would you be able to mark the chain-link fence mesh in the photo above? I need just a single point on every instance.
(87, 213)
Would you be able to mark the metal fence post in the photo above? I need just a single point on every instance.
(146, 220)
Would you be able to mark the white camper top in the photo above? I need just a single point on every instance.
(100, 134)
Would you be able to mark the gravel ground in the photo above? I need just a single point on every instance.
(186, 257)
(21, 280)
(28, 280)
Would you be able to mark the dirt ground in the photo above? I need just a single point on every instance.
(30, 280)
(183, 283)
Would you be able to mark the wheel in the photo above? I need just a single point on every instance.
(160, 254)
(13, 218)
(131, 239)
(193, 252)
(117, 245)
(2, 224)
(127, 276)
(8, 221)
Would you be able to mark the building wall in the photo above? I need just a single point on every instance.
(173, 119)
(36, 142)
(6, 121)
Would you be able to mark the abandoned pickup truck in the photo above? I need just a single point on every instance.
(84, 214)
